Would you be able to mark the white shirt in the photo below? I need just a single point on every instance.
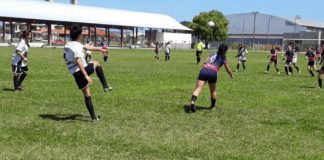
(89, 44)
(244, 52)
(72, 51)
(16, 59)
(167, 49)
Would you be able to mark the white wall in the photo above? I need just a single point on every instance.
(177, 40)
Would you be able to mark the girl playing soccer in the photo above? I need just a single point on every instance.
(289, 57)
(157, 51)
(19, 61)
(311, 60)
(104, 45)
(318, 53)
(209, 73)
(241, 57)
(89, 43)
(320, 75)
(274, 58)
(294, 61)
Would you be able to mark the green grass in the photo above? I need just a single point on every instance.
(259, 116)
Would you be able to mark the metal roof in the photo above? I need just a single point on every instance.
(306, 23)
(59, 12)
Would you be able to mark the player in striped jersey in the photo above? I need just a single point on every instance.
(209, 73)
(310, 55)
(241, 57)
(74, 58)
(274, 58)
(19, 61)
(88, 52)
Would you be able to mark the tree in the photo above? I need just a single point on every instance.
(203, 31)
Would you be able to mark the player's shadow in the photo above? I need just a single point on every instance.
(8, 89)
(187, 108)
(307, 87)
(64, 117)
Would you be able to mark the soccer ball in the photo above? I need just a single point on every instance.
(211, 24)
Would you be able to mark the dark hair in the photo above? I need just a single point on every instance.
(295, 47)
(75, 32)
(24, 33)
(222, 50)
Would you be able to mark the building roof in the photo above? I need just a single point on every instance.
(306, 23)
(59, 12)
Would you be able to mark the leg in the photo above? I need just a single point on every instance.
(243, 63)
(286, 69)
(166, 57)
(320, 78)
(88, 102)
(21, 79)
(268, 67)
(101, 76)
(291, 70)
(15, 79)
(212, 89)
(309, 70)
(315, 69)
(199, 86)
(238, 66)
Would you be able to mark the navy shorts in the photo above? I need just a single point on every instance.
(209, 75)
(19, 70)
(198, 53)
(80, 80)
(275, 61)
(311, 63)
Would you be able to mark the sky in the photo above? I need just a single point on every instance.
(185, 10)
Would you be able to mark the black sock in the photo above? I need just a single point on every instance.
(318, 71)
(268, 67)
(311, 72)
(194, 98)
(286, 69)
(237, 66)
(320, 82)
(15, 79)
(213, 102)
(105, 58)
(89, 105)
(166, 58)
(277, 69)
(90, 57)
(101, 76)
(21, 78)
(157, 57)
(297, 69)
(86, 57)
(290, 69)
(243, 66)
(198, 59)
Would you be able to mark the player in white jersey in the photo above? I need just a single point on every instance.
(241, 57)
(294, 60)
(81, 70)
(167, 51)
(88, 52)
(19, 61)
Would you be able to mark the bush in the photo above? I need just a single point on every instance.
(233, 46)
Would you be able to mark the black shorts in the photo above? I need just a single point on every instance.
(19, 70)
(208, 75)
(322, 68)
(313, 63)
(275, 61)
(198, 53)
(288, 62)
(80, 80)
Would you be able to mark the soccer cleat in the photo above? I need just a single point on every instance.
(213, 108)
(108, 89)
(319, 87)
(292, 74)
(95, 120)
(21, 88)
(278, 72)
(193, 108)
(236, 70)
(244, 70)
(299, 71)
(266, 72)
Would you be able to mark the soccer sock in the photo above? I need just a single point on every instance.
(213, 102)
(277, 69)
(105, 58)
(101, 76)
(166, 58)
(21, 79)
(86, 57)
(15, 79)
(237, 67)
(318, 71)
(243, 66)
(297, 69)
(286, 69)
(291, 70)
(90, 57)
(198, 59)
(311, 72)
(268, 67)
(157, 57)
(320, 82)
(89, 105)
(194, 98)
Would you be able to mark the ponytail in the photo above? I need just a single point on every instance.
(222, 50)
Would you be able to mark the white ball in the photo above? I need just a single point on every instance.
(211, 24)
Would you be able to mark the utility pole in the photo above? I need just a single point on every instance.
(255, 13)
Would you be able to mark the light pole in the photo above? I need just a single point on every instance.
(255, 13)
(243, 29)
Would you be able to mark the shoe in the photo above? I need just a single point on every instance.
(236, 70)
(299, 71)
(319, 87)
(292, 74)
(266, 72)
(108, 89)
(244, 70)
(278, 72)
(312, 76)
(213, 108)
(21, 88)
(193, 108)
(18, 90)
(287, 74)
(95, 120)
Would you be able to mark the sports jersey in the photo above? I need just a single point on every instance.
(311, 56)
(214, 62)
(167, 49)
(289, 56)
(318, 50)
(89, 44)
(242, 54)
(273, 54)
(199, 46)
(16, 59)
(72, 51)
(104, 44)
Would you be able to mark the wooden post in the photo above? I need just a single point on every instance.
(121, 36)
(95, 34)
(108, 37)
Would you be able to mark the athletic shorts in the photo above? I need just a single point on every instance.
(208, 75)
(318, 52)
(198, 53)
(313, 63)
(294, 61)
(288, 62)
(80, 80)
(275, 61)
(242, 60)
(19, 70)
(88, 53)
(167, 53)
(322, 68)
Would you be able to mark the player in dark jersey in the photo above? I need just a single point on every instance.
(209, 73)
(104, 45)
(320, 75)
(322, 55)
(310, 55)
(274, 58)
(318, 53)
(289, 57)
(157, 50)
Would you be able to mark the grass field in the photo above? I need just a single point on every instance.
(258, 116)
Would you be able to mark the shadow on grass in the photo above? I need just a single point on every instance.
(64, 117)
(307, 87)
(8, 89)
(187, 108)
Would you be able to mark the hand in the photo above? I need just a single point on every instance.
(25, 59)
(232, 76)
(89, 80)
(305, 58)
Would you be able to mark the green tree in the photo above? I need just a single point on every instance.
(204, 32)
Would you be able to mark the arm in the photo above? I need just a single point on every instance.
(21, 56)
(90, 48)
(80, 65)
(229, 70)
